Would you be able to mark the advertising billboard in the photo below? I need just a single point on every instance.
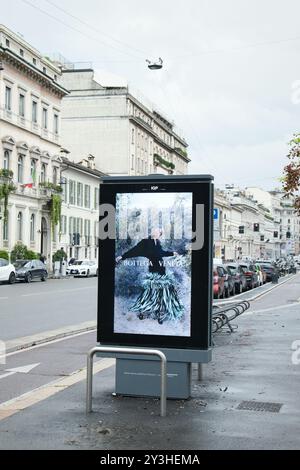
(155, 261)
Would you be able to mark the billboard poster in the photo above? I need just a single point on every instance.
(153, 264)
(155, 261)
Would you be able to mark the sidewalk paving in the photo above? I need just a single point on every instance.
(252, 364)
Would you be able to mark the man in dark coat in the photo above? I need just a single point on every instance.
(150, 248)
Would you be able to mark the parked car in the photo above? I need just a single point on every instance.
(262, 276)
(28, 270)
(239, 277)
(251, 274)
(7, 271)
(218, 282)
(269, 269)
(229, 282)
(83, 268)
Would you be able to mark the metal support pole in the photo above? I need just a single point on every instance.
(133, 351)
(200, 371)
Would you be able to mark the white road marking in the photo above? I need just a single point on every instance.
(39, 394)
(269, 309)
(58, 291)
(3, 298)
(52, 341)
(21, 370)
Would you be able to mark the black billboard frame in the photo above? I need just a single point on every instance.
(201, 302)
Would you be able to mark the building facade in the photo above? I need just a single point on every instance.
(80, 209)
(126, 136)
(30, 106)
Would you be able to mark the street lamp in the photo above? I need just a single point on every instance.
(155, 65)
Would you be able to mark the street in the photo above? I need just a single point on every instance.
(29, 309)
(43, 404)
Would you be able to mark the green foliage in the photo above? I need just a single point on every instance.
(162, 161)
(20, 251)
(4, 254)
(5, 190)
(181, 151)
(59, 255)
(291, 172)
(55, 210)
(6, 173)
(54, 187)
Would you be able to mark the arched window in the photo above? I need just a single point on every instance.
(19, 226)
(33, 170)
(6, 160)
(20, 169)
(43, 173)
(32, 228)
(55, 175)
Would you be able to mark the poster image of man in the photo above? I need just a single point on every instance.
(152, 274)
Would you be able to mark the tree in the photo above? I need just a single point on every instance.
(20, 251)
(291, 175)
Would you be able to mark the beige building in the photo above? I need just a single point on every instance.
(126, 136)
(30, 108)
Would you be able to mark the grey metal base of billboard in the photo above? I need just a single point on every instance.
(140, 375)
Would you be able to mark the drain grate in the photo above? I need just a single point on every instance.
(260, 406)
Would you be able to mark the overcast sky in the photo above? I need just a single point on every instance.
(229, 69)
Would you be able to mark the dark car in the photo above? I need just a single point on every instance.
(239, 277)
(27, 270)
(229, 282)
(251, 274)
(269, 269)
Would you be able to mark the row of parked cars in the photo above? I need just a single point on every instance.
(29, 270)
(237, 277)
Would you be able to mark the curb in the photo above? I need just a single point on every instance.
(48, 336)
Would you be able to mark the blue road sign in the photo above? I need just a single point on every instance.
(216, 214)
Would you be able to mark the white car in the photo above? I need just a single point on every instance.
(7, 272)
(83, 268)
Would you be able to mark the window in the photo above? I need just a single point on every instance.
(33, 170)
(6, 160)
(45, 118)
(55, 78)
(132, 136)
(21, 105)
(19, 226)
(44, 70)
(5, 230)
(64, 183)
(21, 52)
(87, 196)
(7, 42)
(20, 169)
(34, 61)
(43, 173)
(72, 192)
(8, 98)
(55, 175)
(87, 231)
(132, 162)
(63, 224)
(96, 198)
(56, 123)
(34, 111)
(79, 194)
(32, 228)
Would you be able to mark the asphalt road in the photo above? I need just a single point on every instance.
(252, 364)
(27, 309)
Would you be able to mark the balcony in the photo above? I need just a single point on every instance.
(160, 161)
